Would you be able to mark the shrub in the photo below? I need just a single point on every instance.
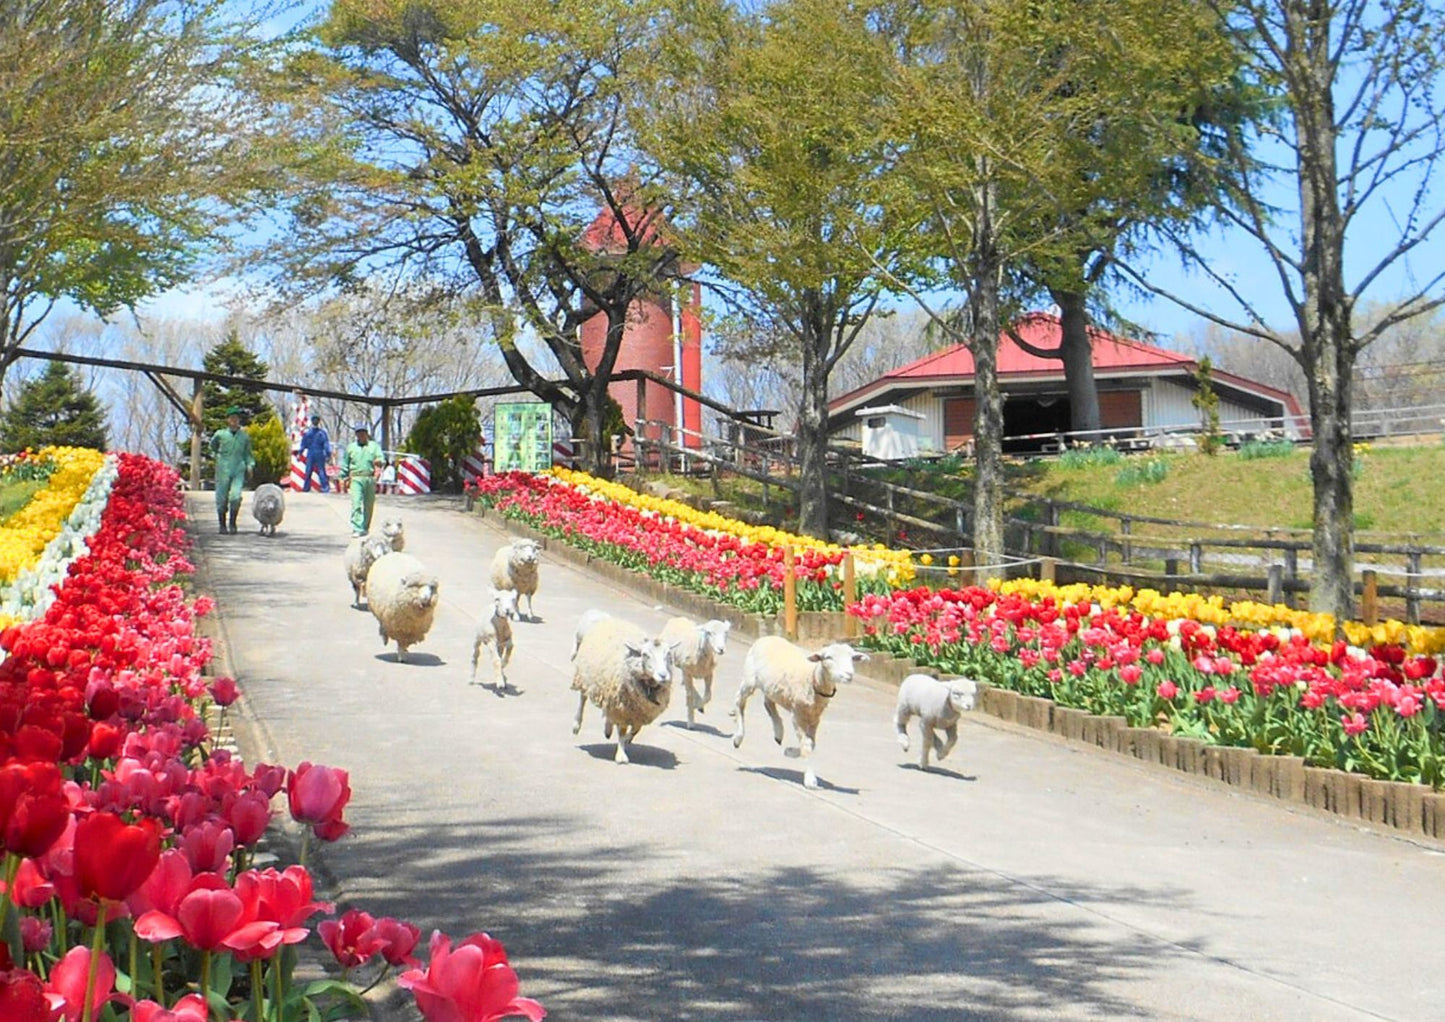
(1266, 449)
(1149, 470)
(271, 450)
(1090, 456)
(444, 435)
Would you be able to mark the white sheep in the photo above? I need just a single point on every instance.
(698, 649)
(627, 675)
(402, 595)
(361, 553)
(514, 566)
(798, 681)
(393, 533)
(938, 705)
(495, 633)
(584, 625)
(268, 506)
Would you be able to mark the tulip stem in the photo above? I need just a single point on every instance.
(276, 982)
(258, 988)
(305, 847)
(385, 971)
(158, 969)
(96, 946)
(134, 963)
(206, 980)
(62, 928)
(12, 867)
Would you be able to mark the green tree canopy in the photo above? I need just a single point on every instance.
(53, 409)
(232, 358)
(444, 434)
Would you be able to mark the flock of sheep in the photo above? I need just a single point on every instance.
(629, 675)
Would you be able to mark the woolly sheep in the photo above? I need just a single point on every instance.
(698, 649)
(627, 675)
(402, 595)
(361, 553)
(584, 625)
(495, 633)
(798, 681)
(937, 704)
(393, 533)
(268, 506)
(515, 567)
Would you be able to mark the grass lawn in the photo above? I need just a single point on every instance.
(16, 493)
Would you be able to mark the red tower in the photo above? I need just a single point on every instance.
(661, 336)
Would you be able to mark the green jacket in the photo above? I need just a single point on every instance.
(233, 453)
(359, 462)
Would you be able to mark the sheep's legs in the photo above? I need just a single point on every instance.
(930, 741)
(772, 709)
(900, 724)
(946, 747)
(622, 739)
(476, 656)
(501, 657)
(806, 744)
(744, 692)
(581, 705)
(692, 701)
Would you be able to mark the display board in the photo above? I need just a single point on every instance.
(522, 437)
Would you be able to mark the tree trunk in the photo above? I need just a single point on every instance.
(813, 436)
(1332, 588)
(1077, 351)
(988, 402)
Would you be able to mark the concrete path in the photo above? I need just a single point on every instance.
(1030, 879)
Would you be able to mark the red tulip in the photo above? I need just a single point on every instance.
(113, 858)
(208, 846)
(190, 1008)
(318, 795)
(399, 939)
(224, 692)
(351, 939)
(31, 889)
(22, 998)
(473, 983)
(210, 916)
(35, 934)
(248, 814)
(33, 809)
(68, 980)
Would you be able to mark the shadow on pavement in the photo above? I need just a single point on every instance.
(796, 777)
(412, 659)
(594, 936)
(641, 755)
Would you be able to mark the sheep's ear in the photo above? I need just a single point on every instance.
(673, 647)
(859, 657)
(633, 649)
(815, 657)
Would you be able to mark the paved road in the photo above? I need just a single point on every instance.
(1030, 880)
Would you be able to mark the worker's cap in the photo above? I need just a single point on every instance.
(315, 418)
(233, 410)
(361, 427)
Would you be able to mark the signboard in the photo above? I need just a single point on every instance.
(522, 437)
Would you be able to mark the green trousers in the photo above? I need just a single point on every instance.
(228, 491)
(363, 499)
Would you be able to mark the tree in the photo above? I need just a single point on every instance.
(232, 358)
(770, 126)
(271, 448)
(1337, 174)
(53, 409)
(445, 434)
(472, 143)
(123, 134)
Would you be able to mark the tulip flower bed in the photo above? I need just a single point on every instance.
(1378, 711)
(131, 891)
(717, 557)
(25, 534)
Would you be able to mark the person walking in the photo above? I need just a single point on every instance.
(231, 447)
(358, 468)
(316, 447)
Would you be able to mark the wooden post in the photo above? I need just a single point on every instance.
(1275, 594)
(965, 560)
(386, 430)
(1103, 546)
(790, 594)
(1126, 546)
(1412, 583)
(1369, 597)
(850, 594)
(1171, 567)
(1047, 569)
(1196, 559)
(1051, 543)
(198, 401)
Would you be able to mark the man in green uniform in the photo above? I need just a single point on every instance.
(231, 448)
(358, 468)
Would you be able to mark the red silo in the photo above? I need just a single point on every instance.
(649, 340)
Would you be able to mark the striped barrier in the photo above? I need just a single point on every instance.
(474, 465)
(562, 453)
(413, 476)
(296, 477)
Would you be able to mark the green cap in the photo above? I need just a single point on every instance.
(233, 410)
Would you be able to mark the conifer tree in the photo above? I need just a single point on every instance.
(53, 409)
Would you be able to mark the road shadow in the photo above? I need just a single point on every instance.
(639, 755)
(937, 770)
(697, 729)
(500, 691)
(595, 932)
(796, 777)
(412, 659)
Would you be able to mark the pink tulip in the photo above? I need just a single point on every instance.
(317, 795)
(190, 1008)
(68, 980)
(472, 983)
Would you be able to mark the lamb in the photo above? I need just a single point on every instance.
(361, 553)
(515, 567)
(799, 681)
(268, 506)
(402, 595)
(626, 675)
(392, 532)
(495, 634)
(937, 704)
(698, 647)
(584, 625)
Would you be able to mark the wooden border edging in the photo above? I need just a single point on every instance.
(1394, 805)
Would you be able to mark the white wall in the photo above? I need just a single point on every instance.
(930, 427)
(1169, 404)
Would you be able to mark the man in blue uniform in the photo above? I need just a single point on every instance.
(316, 448)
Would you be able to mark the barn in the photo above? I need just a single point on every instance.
(1143, 391)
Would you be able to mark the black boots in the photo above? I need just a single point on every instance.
(235, 510)
(221, 517)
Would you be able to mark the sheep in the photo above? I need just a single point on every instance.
(799, 681)
(402, 595)
(627, 675)
(584, 624)
(699, 646)
(515, 567)
(392, 532)
(361, 553)
(937, 704)
(268, 506)
(495, 633)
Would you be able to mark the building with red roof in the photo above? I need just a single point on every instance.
(1142, 390)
